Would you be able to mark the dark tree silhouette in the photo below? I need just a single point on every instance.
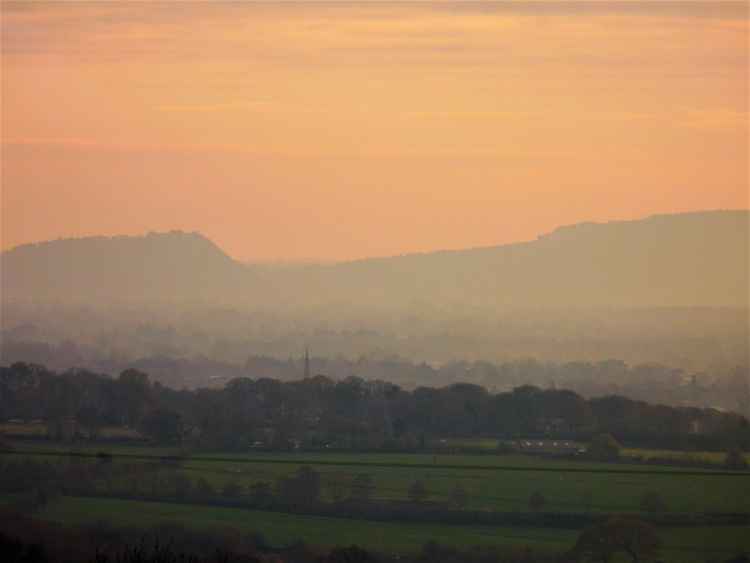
(232, 490)
(458, 497)
(301, 489)
(204, 489)
(336, 488)
(418, 491)
(351, 554)
(537, 501)
(735, 460)
(604, 448)
(651, 501)
(164, 426)
(261, 493)
(362, 488)
(618, 535)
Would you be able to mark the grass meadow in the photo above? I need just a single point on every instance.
(681, 545)
(492, 482)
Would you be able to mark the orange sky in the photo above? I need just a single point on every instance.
(332, 131)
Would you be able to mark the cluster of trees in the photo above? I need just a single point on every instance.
(170, 356)
(33, 483)
(652, 382)
(628, 536)
(29, 541)
(24, 540)
(318, 412)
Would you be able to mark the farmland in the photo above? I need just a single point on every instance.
(492, 482)
(505, 489)
(681, 544)
(502, 483)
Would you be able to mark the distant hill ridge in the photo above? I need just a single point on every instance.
(173, 265)
(690, 259)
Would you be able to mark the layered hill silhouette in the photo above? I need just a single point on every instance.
(681, 260)
(157, 266)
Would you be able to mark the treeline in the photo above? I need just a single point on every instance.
(349, 414)
(27, 485)
(25, 540)
(726, 387)
(32, 484)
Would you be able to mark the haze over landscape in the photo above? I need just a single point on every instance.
(285, 177)
(689, 260)
(375, 282)
(669, 289)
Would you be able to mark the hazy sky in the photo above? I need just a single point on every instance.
(329, 131)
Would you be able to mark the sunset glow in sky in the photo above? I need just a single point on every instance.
(334, 131)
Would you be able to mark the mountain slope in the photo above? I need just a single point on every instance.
(697, 259)
(163, 266)
(681, 260)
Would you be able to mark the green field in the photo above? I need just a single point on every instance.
(492, 482)
(508, 490)
(483, 454)
(680, 544)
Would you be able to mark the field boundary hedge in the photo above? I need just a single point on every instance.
(354, 463)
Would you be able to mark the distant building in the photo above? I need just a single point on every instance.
(548, 447)
(696, 427)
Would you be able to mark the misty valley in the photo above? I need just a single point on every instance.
(374, 281)
(178, 404)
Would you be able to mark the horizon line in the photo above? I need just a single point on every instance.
(311, 261)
